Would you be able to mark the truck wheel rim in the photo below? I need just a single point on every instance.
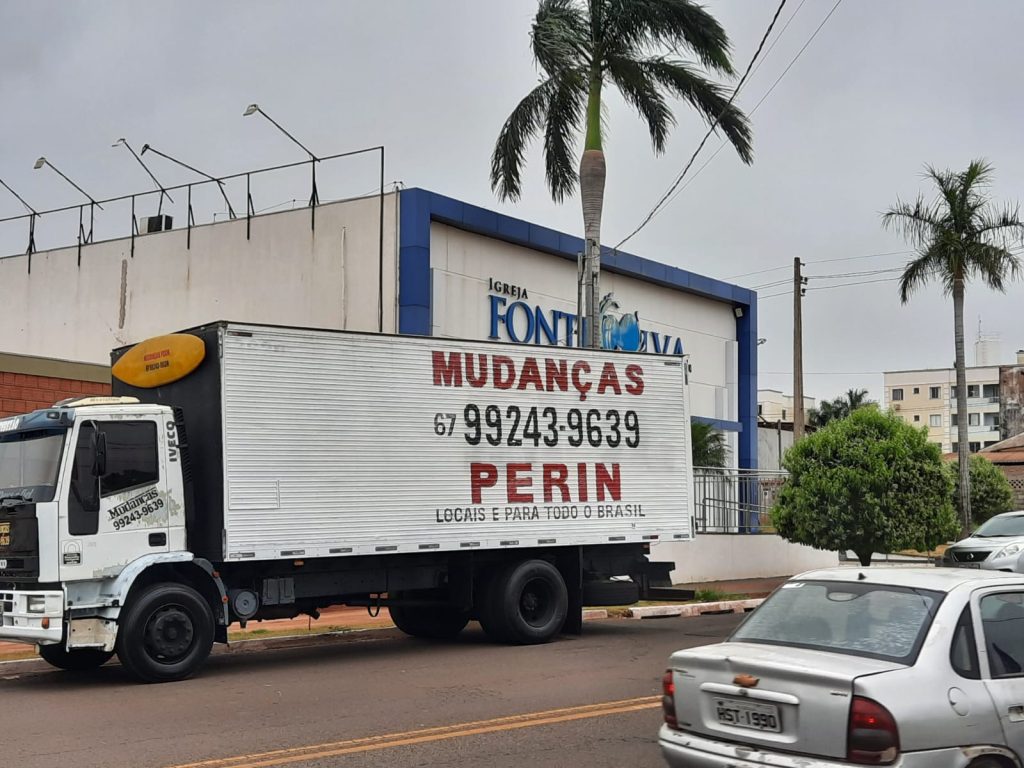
(169, 633)
(536, 603)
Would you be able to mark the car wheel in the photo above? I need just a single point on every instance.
(439, 622)
(80, 660)
(987, 762)
(525, 604)
(165, 634)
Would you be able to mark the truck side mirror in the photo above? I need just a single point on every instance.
(99, 454)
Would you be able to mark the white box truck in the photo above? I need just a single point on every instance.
(244, 472)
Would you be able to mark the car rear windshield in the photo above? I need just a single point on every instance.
(876, 620)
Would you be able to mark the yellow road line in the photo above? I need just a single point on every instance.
(426, 735)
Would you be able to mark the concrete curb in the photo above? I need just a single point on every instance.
(693, 609)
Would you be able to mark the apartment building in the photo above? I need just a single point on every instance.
(927, 398)
(775, 406)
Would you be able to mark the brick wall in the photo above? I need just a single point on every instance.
(21, 392)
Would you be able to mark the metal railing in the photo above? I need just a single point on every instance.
(734, 500)
(87, 211)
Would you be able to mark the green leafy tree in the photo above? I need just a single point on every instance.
(839, 408)
(991, 493)
(867, 483)
(960, 235)
(708, 446)
(581, 46)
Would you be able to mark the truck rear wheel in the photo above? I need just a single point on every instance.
(165, 634)
(440, 622)
(525, 603)
(80, 660)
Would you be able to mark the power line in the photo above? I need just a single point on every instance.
(822, 261)
(751, 112)
(838, 275)
(711, 129)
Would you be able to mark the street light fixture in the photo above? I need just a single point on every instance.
(220, 184)
(252, 109)
(83, 238)
(122, 142)
(43, 161)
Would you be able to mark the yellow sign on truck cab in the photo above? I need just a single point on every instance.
(160, 360)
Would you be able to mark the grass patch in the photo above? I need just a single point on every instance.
(714, 596)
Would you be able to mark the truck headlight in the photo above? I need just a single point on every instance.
(36, 604)
(1009, 549)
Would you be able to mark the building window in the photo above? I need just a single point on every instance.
(783, 414)
(917, 417)
(760, 409)
(917, 390)
(991, 390)
(974, 419)
(990, 443)
(952, 393)
(955, 448)
(954, 420)
(974, 447)
(934, 392)
(973, 390)
(897, 394)
(935, 420)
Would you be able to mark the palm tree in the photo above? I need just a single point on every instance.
(838, 408)
(582, 45)
(708, 446)
(960, 235)
(854, 399)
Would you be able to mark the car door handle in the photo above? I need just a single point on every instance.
(158, 539)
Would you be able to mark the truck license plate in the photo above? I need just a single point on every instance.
(5, 534)
(746, 714)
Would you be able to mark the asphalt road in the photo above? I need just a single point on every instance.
(374, 698)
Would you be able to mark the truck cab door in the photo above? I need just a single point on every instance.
(118, 506)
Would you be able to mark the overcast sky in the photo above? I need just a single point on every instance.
(884, 88)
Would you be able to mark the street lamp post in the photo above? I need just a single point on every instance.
(83, 238)
(220, 184)
(163, 192)
(252, 109)
(33, 214)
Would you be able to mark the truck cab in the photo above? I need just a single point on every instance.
(89, 489)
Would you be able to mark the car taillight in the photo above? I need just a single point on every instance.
(668, 699)
(873, 738)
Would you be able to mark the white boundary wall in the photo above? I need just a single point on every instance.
(720, 557)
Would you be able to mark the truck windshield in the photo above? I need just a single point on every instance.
(29, 462)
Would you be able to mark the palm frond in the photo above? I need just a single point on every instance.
(560, 36)
(520, 128)
(917, 222)
(709, 98)
(640, 90)
(994, 265)
(640, 25)
(1005, 224)
(919, 271)
(564, 118)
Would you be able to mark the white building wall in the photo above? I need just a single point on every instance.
(723, 557)
(285, 274)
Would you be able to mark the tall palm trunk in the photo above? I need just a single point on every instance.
(592, 176)
(963, 447)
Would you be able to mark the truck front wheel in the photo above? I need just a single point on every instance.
(166, 633)
(525, 603)
(81, 660)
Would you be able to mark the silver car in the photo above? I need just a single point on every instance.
(913, 667)
(998, 545)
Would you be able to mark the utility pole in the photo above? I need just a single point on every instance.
(798, 351)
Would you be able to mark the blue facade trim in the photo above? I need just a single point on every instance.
(419, 207)
(720, 424)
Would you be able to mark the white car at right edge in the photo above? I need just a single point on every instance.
(920, 668)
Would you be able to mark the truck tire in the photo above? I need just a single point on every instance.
(432, 622)
(80, 660)
(165, 634)
(525, 603)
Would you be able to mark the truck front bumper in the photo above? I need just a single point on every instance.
(32, 617)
